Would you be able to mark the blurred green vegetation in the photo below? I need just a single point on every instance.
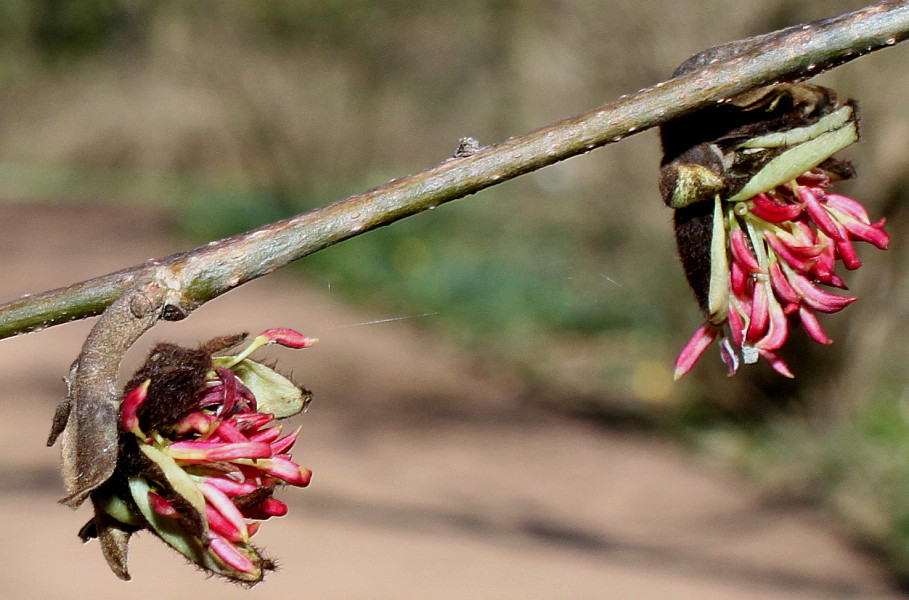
(233, 114)
(854, 466)
(478, 270)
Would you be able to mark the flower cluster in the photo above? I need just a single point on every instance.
(781, 250)
(201, 455)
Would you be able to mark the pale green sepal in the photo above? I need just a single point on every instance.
(795, 161)
(799, 135)
(170, 529)
(178, 479)
(275, 394)
(119, 509)
(172, 532)
(718, 289)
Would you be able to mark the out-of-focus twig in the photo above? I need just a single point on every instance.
(198, 275)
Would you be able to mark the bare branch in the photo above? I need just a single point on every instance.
(203, 273)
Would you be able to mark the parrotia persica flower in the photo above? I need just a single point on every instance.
(759, 231)
(200, 456)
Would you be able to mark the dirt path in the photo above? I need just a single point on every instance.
(430, 480)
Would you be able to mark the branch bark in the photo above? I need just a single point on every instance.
(201, 274)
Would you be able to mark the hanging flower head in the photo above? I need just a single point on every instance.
(200, 456)
(759, 232)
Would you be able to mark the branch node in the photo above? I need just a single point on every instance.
(467, 146)
(140, 306)
(174, 312)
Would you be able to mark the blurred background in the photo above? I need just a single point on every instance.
(131, 129)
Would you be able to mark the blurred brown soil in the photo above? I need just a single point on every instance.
(431, 478)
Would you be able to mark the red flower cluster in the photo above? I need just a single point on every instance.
(201, 456)
(782, 245)
(236, 457)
